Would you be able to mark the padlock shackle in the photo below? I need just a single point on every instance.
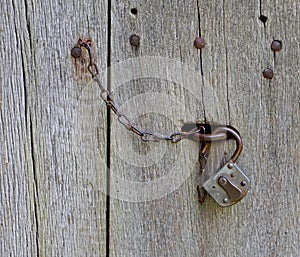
(238, 140)
(221, 133)
(211, 137)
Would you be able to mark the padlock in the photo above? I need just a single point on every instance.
(229, 185)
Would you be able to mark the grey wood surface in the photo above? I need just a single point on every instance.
(51, 156)
(56, 140)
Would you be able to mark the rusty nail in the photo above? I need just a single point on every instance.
(134, 40)
(276, 45)
(268, 73)
(199, 42)
(76, 52)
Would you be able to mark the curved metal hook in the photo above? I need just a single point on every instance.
(91, 64)
(238, 140)
(88, 48)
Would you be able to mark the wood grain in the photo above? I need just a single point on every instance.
(51, 203)
(237, 50)
(56, 140)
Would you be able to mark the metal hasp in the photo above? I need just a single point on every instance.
(228, 186)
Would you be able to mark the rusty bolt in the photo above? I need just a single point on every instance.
(276, 45)
(268, 73)
(134, 40)
(76, 52)
(199, 42)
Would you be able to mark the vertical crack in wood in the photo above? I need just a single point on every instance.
(274, 58)
(261, 15)
(36, 193)
(31, 154)
(108, 133)
(31, 151)
(226, 63)
(201, 62)
(29, 127)
(199, 26)
(28, 23)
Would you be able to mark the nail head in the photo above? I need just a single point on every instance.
(199, 42)
(134, 40)
(268, 73)
(276, 45)
(76, 52)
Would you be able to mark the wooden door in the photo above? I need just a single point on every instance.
(75, 182)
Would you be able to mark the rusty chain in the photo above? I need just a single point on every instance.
(197, 134)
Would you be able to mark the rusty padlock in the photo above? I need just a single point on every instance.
(229, 185)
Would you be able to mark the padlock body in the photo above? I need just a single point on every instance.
(228, 186)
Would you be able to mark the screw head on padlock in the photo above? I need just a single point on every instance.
(229, 185)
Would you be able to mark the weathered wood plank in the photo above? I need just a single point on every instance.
(168, 225)
(262, 108)
(53, 128)
(237, 50)
(18, 221)
(52, 132)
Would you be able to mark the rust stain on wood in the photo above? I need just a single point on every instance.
(80, 63)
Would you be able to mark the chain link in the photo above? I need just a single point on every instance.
(146, 136)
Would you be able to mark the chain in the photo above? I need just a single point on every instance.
(195, 134)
